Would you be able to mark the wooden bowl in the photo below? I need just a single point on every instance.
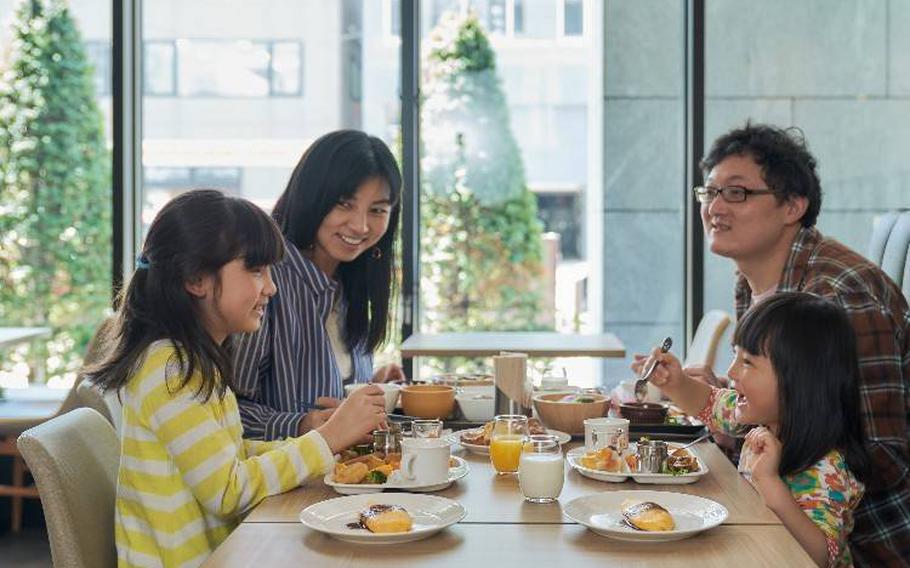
(428, 401)
(644, 412)
(569, 417)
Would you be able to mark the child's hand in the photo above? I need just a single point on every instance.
(360, 413)
(668, 372)
(766, 450)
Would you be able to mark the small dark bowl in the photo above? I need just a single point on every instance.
(644, 412)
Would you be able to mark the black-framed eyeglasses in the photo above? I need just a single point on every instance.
(730, 193)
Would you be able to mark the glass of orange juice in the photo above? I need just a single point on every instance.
(509, 432)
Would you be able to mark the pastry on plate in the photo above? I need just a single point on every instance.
(647, 516)
(386, 519)
(604, 459)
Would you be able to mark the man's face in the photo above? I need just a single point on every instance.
(751, 229)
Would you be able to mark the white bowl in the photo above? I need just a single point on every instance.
(390, 390)
(476, 407)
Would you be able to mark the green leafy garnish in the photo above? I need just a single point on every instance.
(375, 477)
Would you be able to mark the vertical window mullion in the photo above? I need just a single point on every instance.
(694, 35)
(410, 158)
(127, 122)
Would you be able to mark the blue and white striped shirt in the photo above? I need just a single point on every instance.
(283, 367)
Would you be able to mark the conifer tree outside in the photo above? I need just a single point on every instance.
(481, 259)
(55, 210)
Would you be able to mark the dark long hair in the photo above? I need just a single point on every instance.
(812, 348)
(332, 169)
(193, 235)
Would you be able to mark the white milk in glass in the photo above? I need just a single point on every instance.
(541, 476)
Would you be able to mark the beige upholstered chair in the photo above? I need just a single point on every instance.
(703, 350)
(87, 393)
(74, 459)
(107, 405)
(17, 417)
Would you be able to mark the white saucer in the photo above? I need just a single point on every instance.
(431, 514)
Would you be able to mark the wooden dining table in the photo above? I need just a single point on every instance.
(501, 529)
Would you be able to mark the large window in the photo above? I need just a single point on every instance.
(520, 226)
(522, 19)
(234, 102)
(55, 184)
(844, 83)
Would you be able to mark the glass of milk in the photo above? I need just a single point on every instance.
(541, 469)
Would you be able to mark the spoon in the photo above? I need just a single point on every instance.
(641, 385)
(693, 442)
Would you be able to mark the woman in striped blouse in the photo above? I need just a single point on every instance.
(339, 215)
(186, 474)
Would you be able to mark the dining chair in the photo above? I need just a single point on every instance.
(889, 247)
(881, 229)
(74, 459)
(106, 404)
(710, 330)
(16, 416)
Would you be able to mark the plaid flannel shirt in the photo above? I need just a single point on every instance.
(881, 320)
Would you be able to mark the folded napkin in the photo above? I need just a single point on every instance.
(510, 375)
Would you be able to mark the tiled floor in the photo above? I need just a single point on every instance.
(28, 549)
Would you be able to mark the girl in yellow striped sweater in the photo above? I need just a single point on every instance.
(186, 473)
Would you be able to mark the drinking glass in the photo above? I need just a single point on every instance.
(541, 470)
(509, 431)
(427, 428)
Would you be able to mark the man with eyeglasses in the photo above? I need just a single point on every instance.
(759, 205)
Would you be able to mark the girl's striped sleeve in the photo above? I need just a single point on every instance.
(214, 465)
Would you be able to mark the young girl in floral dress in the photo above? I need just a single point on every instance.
(795, 376)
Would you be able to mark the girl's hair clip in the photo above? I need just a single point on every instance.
(142, 263)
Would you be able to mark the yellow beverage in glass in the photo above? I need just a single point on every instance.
(509, 431)
(505, 453)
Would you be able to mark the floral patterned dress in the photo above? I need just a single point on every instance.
(827, 492)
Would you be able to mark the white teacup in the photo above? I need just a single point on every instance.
(425, 461)
(390, 390)
(607, 431)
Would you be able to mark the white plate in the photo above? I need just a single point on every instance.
(456, 472)
(562, 437)
(431, 514)
(617, 477)
(601, 513)
(644, 478)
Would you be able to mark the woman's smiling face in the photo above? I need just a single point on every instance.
(353, 226)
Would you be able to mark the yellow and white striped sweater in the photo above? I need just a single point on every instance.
(186, 474)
